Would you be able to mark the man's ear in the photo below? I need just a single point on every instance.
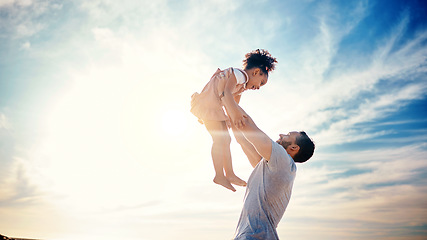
(256, 71)
(295, 148)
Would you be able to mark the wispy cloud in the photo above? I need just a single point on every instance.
(24, 18)
(364, 188)
(4, 122)
(336, 103)
(16, 188)
(103, 158)
(16, 183)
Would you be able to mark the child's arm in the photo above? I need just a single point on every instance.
(237, 98)
(231, 106)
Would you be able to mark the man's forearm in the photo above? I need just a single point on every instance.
(247, 147)
(260, 141)
(251, 153)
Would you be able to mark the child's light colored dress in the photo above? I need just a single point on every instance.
(208, 105)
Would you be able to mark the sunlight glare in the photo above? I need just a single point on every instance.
(174, 122)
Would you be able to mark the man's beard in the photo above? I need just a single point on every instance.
(285, 144)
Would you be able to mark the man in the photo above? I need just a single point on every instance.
(270, 185)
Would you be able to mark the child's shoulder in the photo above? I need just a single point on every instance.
(225, 73)
(240, 75)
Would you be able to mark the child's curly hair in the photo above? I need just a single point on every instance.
(260, 58)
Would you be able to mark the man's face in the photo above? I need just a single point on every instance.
(287, 140)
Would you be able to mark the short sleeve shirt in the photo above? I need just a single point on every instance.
(267, 195)
(240, 77)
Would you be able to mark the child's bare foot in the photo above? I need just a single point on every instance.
(223, 181)
(236, 180)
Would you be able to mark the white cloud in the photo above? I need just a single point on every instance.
(106, 159)
(367, 189)
(26, 46)
(25, 18)
(22, 3)
(4, 122)
(6, 2)
(336, 103)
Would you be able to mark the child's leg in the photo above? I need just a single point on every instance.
(220, 140)
(228, 167)
(221, 153)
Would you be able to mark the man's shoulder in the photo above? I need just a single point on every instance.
(280, 156)
(278, 149)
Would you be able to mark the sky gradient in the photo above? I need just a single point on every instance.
(97, 141)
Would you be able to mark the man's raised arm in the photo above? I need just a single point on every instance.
(247, 147)
(256, 137)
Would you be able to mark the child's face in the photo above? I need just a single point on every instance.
(257, 79)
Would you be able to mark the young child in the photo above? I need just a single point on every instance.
(224, 90)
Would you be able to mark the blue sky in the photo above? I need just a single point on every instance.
(97, 141)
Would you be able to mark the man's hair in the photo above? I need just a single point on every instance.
(306, 148)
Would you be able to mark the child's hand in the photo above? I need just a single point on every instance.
(228, 123)
(239, 119)
(217, 71)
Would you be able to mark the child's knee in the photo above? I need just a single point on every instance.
(223, 139)
(227, 139)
